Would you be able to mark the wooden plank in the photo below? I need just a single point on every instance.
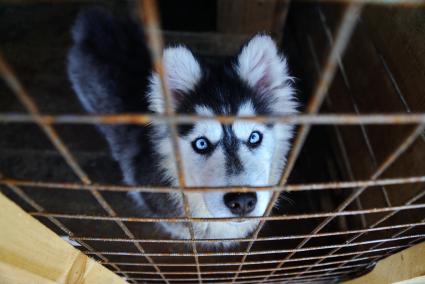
(207, 43)
(407, 264)
(252, 16)
(416, 280)
(31, 253)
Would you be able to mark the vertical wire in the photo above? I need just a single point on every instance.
(24, 97)
(348, 23)
(19, 192)
(386, 198)
(407, 142)
(148, 14)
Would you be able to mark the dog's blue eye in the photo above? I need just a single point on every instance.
(255, 138)
(201, 145)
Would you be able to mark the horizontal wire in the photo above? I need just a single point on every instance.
(415, 198)
(401, 3)
(290, 260)
(144, 119)
(261, 239)
(158, 189)
(330, 279)
(372, 120)
(245, 263)
(388, 161)
(221, 272)
(228, 219)
(30, 105)
(274, 281)
(251, 276)
(259, 252)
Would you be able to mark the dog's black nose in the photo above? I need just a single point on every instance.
(240, 203)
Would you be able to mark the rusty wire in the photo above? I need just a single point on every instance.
(371, 152)
(21, 194)
(259, 252)
(388, 161)
(224, 272)
(29, 104)
(237, 263)
(381, 220)
(285, 188)
(399, 3)
(148, 14)
(229, 219)
(345, 29)
(385, 250)
(259, 239)
(408, 141)
(315, 274)
(150, 18)
(144, 119)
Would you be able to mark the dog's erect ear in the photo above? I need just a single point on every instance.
(260, 65)
(182, 73)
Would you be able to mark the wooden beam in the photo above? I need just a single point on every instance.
(207, 43)
(252, 16)
(31, 253)
(405, 265)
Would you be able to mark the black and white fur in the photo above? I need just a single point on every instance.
(111, 72)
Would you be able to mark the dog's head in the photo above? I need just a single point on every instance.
(244, 153)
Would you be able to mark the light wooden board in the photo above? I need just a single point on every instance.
(31, 253)
(408, 264)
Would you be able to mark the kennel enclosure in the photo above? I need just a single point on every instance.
(355, 173)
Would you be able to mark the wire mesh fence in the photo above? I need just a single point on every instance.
(323, 247)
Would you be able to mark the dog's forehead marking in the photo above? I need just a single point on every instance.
(243, 129)
(210, 129)
(213, 130)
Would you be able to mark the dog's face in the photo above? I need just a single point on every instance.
(244, 153)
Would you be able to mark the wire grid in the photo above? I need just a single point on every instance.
(318, 270)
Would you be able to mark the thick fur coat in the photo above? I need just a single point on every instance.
(111, 72)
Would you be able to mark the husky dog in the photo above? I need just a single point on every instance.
(111, 72)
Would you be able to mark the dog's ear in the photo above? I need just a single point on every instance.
(182, 73)
(260, 65)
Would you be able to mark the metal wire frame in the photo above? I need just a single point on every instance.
(237, 263)
(259, 239)
(390, 159)
(362, 185)
(345, 29)
(23, 96)
(386, 249)
(286, 188)
(258, 276)
(339, 137)
(228, 219)
(401, 3)
(392, 250)
(148, 14)
(144, 119)
(224, 272)
(396, 235)
(370, 150)
(21, 194)
(318, 272)
(259, 252)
